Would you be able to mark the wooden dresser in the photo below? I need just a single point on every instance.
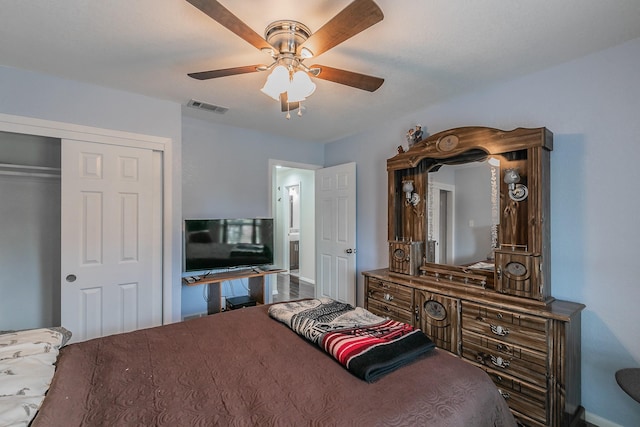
(494, 307)
(532, 353)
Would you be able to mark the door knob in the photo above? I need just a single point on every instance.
(349, 251)
(71, 278)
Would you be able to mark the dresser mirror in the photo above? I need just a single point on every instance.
(469, 205)
(462, 205)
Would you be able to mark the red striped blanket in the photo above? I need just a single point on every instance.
(367, 345)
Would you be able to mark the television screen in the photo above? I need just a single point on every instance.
(222, 243)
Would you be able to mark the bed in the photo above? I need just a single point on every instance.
(243, 367)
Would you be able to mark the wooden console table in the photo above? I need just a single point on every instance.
(256, 281)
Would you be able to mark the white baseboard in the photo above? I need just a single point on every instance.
(195, 316)
(310, 281)
(599, 421)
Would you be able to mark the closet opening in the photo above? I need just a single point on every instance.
(30, 236)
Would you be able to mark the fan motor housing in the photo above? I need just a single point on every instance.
(286, 36)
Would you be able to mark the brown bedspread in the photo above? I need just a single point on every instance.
(243, 368)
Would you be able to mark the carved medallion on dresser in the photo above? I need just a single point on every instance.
(469, 264)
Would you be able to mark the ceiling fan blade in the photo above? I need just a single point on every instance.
(214, 74)
(357, 17)
(227, 19)
(349, 78)
(283, 103)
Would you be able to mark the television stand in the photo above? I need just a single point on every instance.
(256, 280)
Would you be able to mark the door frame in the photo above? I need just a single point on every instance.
(62, 130)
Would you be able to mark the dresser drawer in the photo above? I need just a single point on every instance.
(385, 309)
(521, 397)
(506, 326)
(390, 294)
(520, 362)
(439, 318)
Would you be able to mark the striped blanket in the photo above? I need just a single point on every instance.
(369, 346)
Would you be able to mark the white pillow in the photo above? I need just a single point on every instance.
(27, 360)
(28, 342)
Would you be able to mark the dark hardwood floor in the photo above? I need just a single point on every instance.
(291, 288)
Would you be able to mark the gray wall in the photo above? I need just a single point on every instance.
(226, 175)
(592, 106)
(25, 93)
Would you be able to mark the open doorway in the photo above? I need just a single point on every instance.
(293, 211)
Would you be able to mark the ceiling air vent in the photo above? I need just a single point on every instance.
(208, 107)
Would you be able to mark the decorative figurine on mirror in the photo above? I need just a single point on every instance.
(410, 139)
(417, 134)
(414, 135)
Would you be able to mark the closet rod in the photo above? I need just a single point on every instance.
(30, 171)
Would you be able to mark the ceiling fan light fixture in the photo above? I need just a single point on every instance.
(277, 82)
(297, 88)
(301, 87)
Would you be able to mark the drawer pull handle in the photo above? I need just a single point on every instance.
(500, 362)
(499, 330)
(388, 297)
(386, 308)
(504, 394)
(499, 379)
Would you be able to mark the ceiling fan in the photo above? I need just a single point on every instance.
(290, 43)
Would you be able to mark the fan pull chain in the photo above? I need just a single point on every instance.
(300, 109)
(288, 116)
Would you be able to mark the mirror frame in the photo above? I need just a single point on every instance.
(524, 230)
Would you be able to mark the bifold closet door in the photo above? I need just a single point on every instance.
(107, 239)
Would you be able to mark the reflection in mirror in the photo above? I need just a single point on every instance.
(463, 213)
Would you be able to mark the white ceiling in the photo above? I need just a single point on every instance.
(426, 51)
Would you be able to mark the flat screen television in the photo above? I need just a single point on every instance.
(211, 244)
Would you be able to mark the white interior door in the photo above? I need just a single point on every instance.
(108, 238)
(336, 232)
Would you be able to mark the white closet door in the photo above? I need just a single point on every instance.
(107, 239)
